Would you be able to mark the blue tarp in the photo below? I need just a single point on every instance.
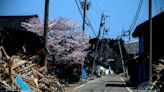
(83, 72)
(23, 85)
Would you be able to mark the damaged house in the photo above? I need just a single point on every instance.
(19, 69)
(132, 51)
(108, 54)
(143, 33)
(15, 39)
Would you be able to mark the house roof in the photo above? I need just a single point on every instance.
(14, 39)
(131, 47)
(14, 21)
(22, 16)
(157, 22)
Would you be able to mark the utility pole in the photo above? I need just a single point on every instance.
(123, 65)
(150, 25)
(127, 33)
(102, 22)
(85, 6)
(46, 31)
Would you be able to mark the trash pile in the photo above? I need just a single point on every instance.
(22, 74)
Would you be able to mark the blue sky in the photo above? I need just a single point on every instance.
(121, 12)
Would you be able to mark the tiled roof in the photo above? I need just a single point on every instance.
(132, 47)
(14, 22)
(157, 22)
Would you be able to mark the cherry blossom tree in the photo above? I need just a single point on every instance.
(66, 41)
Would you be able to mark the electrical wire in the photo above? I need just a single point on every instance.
(136, 16)
(97, 10)
(79, 8)
(97, 5)
(89, 23)
(157, 6)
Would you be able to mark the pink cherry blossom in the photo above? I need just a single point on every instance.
(66, 41)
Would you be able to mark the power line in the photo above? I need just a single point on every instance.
(136, 15)
(156, 6)
(89, 22)
(135, 18)
(79, 8)
(97, 5)
(95, 9)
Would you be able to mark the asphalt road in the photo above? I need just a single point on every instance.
(111, 83)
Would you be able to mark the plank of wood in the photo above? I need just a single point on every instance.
(19, 64)
(27, 67)
(34, 88)
(6, 55)
(35, 80)
(4, 82)
(42, 69)
(29, 82)
(29, 73)
(37, 72)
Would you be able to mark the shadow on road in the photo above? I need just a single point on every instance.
(114, 81)
(115, 85)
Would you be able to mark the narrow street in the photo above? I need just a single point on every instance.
(111, 83)
(61, 45)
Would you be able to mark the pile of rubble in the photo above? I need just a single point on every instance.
(17, 73)
(158, 72)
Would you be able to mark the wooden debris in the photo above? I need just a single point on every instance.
(19, 63)
(4, 82)
(31, 73)
(158, 73)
